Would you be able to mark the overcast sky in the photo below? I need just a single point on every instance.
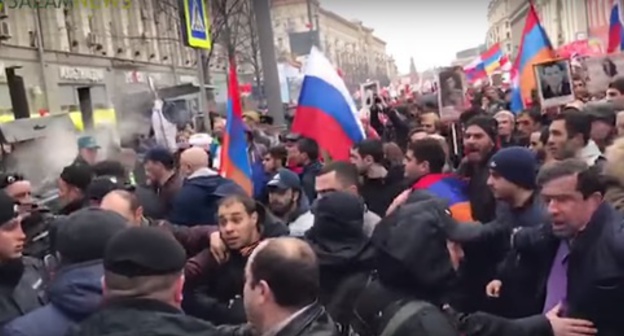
(431, 31)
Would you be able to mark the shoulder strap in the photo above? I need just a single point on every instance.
(408, 310)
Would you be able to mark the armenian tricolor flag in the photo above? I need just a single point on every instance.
(450, 188)
(234, 163)
(535, 48)
(493, 59)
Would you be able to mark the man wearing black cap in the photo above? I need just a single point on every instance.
(22, 279)
(143, 283)
(480, 139)
(162, 176)
(72, 186)
(99, 187)
(480, 144)
(76, 290)
(288, 202)
(513, 173)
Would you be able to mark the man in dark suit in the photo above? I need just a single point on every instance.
(554, 81)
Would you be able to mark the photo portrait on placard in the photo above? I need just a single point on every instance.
(451, 88)
(554, 83)
(368, 91)
(601, 70)
(451, 93)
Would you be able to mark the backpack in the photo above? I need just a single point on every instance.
(379, 311)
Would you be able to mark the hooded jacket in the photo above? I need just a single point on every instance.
(343, 250)
(413, 267)
(298, 223)
(74, 294)
(197, 201)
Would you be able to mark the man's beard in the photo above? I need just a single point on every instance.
(281, 209)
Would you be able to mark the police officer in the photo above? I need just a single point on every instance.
(22, 279)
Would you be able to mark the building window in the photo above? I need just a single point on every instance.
(508, 35)
(508, 48)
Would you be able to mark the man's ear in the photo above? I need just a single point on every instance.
(179, 287)
(103, 282)
(139, 212)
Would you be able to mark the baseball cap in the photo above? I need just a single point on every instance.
(100, 186)
(144, 251)
(83, 235)
(87, 142)
(284, 179)
(8, 208)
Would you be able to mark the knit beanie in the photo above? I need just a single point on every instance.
(517, 165)
(487, 124)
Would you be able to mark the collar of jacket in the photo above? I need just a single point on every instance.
(589, 236)
(202, 172)
(141, 304)
(299, 321)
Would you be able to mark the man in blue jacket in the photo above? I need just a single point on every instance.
(76, 291)
(197, 201)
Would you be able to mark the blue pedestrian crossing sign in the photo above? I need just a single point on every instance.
(196, 28)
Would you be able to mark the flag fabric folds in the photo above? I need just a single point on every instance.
(535, 48)
(475, 70)
(234, 162)
(326, 112)
(616, 30)
(486, 64)
(450, 188)
(493, 59)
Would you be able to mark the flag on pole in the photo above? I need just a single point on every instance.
(326, 111)
(535, 48)
(234, 163)
(616, 30)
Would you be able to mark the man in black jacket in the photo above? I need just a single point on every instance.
(578, 258)
(22, 279)
(282, 289)
(143, 288)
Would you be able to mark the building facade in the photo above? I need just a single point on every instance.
(499, 26)
(350, 45)
(462, 58)
(113, 48)
(564, 21)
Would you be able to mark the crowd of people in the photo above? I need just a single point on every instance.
(498, 224)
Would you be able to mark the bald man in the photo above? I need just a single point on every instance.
(192, 160)
(282, 288)
(197, 201)
(126, 204)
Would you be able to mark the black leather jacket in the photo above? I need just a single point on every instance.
(313, 321)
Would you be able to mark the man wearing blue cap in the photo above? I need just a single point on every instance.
(87, 150)
(288, 201)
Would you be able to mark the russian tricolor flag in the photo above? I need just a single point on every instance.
(616, 31)
(475, 70)
(234, 163)
(326, 111)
